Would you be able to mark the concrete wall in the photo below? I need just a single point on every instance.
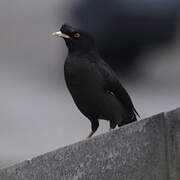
(145, 150)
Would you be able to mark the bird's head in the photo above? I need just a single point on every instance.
(76, 39)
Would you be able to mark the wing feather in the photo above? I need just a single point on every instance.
(113, 84)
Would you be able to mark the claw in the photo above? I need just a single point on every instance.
(90, 134)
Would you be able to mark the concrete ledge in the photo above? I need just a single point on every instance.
(144, 150)
(173, 143)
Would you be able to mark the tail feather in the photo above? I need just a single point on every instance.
(135, 112)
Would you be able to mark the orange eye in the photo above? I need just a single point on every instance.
(77, 35)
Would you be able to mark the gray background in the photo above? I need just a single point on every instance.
(37, 112)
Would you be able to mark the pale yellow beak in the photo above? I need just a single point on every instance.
(60, 34)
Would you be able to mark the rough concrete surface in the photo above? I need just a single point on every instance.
(173, 143)
(144, 150)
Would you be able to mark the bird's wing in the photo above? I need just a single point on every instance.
(113, 84)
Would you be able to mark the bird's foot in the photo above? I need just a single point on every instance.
(90, 134)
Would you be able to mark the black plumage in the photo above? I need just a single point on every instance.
(94, 86)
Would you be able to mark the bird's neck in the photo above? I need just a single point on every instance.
(84, 52)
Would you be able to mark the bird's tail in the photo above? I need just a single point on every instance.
(136, 113)
(130, 119)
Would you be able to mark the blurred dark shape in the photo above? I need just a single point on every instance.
(123, 28)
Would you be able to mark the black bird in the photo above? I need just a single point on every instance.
(94, 86)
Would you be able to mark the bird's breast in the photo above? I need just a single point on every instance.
(84, 81)
(82, 75)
